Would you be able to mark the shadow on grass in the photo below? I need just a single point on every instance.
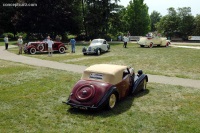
(121, 106)
(155, 47)
(97, 55)
(87, 44)
(46, 53)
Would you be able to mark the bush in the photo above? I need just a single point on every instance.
(23, 34)
(10, 35)
(71, 36)
(107, 37)
(65, 37)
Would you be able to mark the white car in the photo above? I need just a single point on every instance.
(153, 41)
(97, 46)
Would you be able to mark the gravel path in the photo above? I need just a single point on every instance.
(186, 47)
(5, 55)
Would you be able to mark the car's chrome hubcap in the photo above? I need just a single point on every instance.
(112, 100)
(32, 50)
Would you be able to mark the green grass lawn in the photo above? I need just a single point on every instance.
(176, 62)
(31, 101)
(10, 43)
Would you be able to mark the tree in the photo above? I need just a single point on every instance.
(168, 24)
(138, 18)
(83, 13)
(48, 17)
(186, 25)
(6, 16)
(197, 25)
(155, 17)
(117, 23)
(97, 15)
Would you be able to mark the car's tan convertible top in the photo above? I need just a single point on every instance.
(104, 72)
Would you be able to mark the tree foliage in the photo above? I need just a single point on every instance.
(138, 18)
(97, 16)
(168, 24)
(155, 17)
(6, 17)
(94, 18)
(186, 25)
(47, 17)
(50, 17)
(178, 23)
(197, 26)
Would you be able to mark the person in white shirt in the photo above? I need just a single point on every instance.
(20, 43)
(6, 42)
(50, 44)
(125, 39)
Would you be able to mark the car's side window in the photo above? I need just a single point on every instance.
(125, 73)
(104, 42)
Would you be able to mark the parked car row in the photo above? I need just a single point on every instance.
(97, 46)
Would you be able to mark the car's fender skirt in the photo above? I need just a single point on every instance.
(138, 82)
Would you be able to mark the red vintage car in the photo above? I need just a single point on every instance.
(102, 85)
(42, 46)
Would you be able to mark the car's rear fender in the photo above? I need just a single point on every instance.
(101, 104)
(62, 45)
(100, 89)
(104, 99)
(30, 46)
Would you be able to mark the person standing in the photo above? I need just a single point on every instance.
(73, 43)
(6, 42)
(57, 38)
(125, 39)
(50, 44)
(20, 44)
(128, 35)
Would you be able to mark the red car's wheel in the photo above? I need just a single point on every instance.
(62, 49)
(167, 44)
(85, 92)
(32, 50)
(40, 47)
(151, 45)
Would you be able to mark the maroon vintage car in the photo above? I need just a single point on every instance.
(42, 46)
(102, 85)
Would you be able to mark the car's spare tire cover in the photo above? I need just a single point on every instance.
(85, 92)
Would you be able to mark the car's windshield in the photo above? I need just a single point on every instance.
(97, 41)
